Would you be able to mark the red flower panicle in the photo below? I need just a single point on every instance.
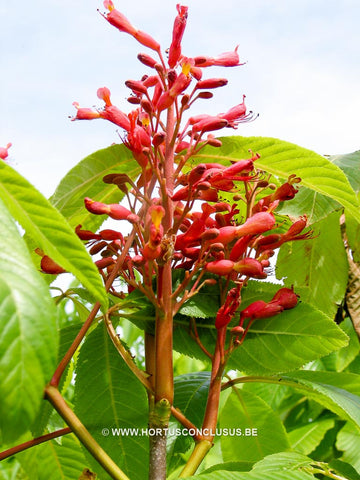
(188, 224)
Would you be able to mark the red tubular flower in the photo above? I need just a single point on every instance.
(108, 234)
(136, 86)
(211, 83)
(227, 311)
(286, 298)
(240, 166)
(138, 140)
(239, 248)
(220, 267)
(118, 20)
(86, 234)
(237, 115)
(259, 223)
(192, 236)
(250, 267)
(48, 265)
(296, 228)
(178, 32)
(274, 241)
(152, 249)
(115, 115)
(104, 262)
(85, 113)
(227, 59)
(167, 98)
(4, 151)
(104, 94)
(226, 234)
(147, 60)
(260, 309)
(209, 123)
(114, 210)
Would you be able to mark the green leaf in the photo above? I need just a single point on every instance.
(190, 395)
(283, 159)
(108, 396)
(85, 180)
(28, 336)
(344, 469)
(338, 392)
(231, 467)
(307, 437)
(290, 461)
(338, 361)
(318, 268)
(255, 430)
(10, 469)
(57, 459)
(279, 466)
(273, 395)
(350, 165)
(348, 442)
(352, 226)
(66, 337)
(49, 229)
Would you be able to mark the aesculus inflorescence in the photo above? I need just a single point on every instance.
(205, 233)
(215, 222)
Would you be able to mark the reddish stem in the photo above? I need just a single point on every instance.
(34, 442)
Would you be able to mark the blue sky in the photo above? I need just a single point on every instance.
(302, 72)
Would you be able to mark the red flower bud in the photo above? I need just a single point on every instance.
(227, 234)
(210, 234)
(258, 223)
(108, 234)
(286, 298)
(250, 267)
(205, 95)
(209, 124)
(158, 138)
(147, 60)
(136, 86)
(104, 262)
(114, 210)
(196, 173)
(238, 167)
(220, 267)
(260, 309)
(239, 248)
(49, 266)
(178, 32)
(97, 247)
(211, 83)
(86, 234)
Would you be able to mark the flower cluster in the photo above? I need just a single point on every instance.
(213, 221)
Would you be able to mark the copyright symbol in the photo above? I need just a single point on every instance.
(105, 432)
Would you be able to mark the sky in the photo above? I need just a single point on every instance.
(301, 74)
